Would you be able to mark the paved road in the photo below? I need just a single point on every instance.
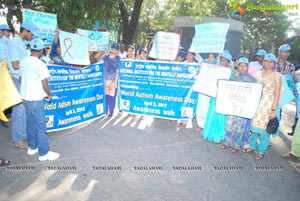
(119, 160)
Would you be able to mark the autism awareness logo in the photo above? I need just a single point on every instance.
(238, 10)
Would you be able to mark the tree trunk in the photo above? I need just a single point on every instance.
(130, 25)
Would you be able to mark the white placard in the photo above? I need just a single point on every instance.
(74, 48)
(209, 75)
(238, 98)
(165, 46)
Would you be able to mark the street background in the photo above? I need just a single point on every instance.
(117, 159)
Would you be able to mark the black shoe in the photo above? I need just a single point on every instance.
(291, 133)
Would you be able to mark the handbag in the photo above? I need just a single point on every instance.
(272, 126)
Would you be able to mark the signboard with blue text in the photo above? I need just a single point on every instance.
(98, 41)
(159, 89)
(165, 46)
(77, 96)
(209, 37)
(45, 22)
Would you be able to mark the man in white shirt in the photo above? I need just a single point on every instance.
(16, 52)
(122, 53)
(257, 65)
(34, 89)
(5, 33)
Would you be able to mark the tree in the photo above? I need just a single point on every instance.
(130, 21)
(72, 14)
(264, 30)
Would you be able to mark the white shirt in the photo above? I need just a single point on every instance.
(123, 55)
(4, 41)
(16, 52)
(32, 72)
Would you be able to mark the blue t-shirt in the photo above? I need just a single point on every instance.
(111, 66)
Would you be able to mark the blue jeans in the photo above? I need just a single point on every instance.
(36, 126)
(18, 119)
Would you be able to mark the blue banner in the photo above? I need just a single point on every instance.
(77, 96)
(290, 92)
(159, 89)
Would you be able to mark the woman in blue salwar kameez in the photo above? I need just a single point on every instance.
(214, 127)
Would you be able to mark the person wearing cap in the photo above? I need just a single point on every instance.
(142, 54)
(267, 108)
(236, 62)
(181, 56)
(214, 126)
(237, 128)
(111, 70)
(225, 59)
(5, 33)
(283, 66)
(257, 65)
(34, 89)
(16, 52)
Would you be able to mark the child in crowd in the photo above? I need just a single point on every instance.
(237, 128)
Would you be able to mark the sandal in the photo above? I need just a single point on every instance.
(234, 150)
(135, 118)
(199, 129)
(224, 146)
(259, 157)
(248, 150)
(182, 125)
(289, 155)
(4, 162)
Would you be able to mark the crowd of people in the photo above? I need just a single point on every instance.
(29, 74)
(28, 69)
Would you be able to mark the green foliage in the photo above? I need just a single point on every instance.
(261, 31)
(71, 14)
(266, 29)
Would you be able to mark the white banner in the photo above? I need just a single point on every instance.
(238, 98)
(206, 82)
(165, 46)
(74, 48)
(98, 41)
